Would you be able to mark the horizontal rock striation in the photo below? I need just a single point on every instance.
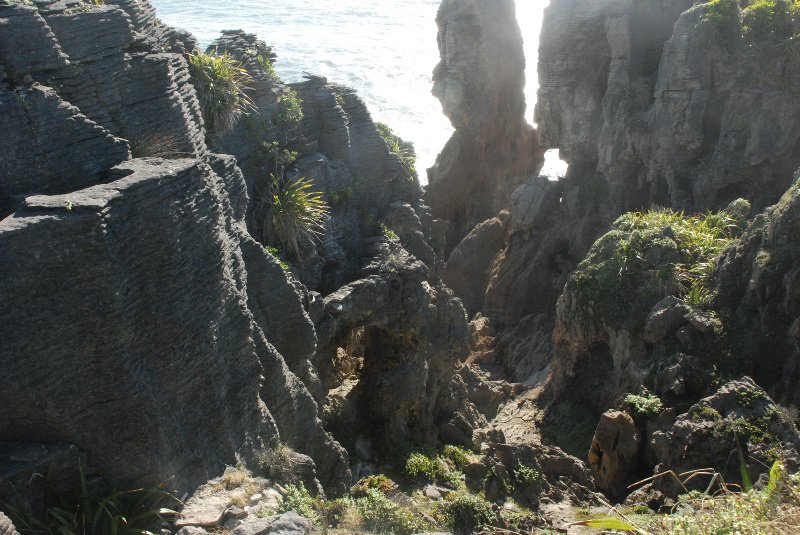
(143, 323)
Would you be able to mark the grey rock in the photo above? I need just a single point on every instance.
(467, 268)
(667, 315)
(480, 82)
(192, 530)
(286, 524)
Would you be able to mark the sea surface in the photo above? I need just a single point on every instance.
(385, 49)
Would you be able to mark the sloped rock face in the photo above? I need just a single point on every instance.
(759, 295)
(480, 82)
(413, 331)
(116, 344)
(143, 323)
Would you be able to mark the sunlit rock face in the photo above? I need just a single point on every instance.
(480, 82)
(139, 319)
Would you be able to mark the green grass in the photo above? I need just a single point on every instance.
(297, 216)
(644, 406)
(429, 468)
(466, 514)
(298, 499)
(398, 146)
(649, 255)
(221, 83)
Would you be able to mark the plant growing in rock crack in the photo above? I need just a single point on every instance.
(95, 512)
(397, 146)
(221, 83)
(296, 216)
(155, 145)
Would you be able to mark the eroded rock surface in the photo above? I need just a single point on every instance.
(480, 82)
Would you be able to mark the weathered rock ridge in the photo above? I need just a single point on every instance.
(144, 321)
(480, 81)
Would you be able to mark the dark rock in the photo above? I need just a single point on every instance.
(412, 331)
(123, 294)
(738, 417)
(467, 269)
(667, 315)
(614, 454)
(45, 145)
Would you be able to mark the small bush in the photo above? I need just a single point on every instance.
(398, 146)
(421, 467)
(221, 83)
(644, 406)
(297, 215)
(132, 512)
(389, 233)
(379, 514)
(460, 457)
(467, 514)
(276, 254)
(526, 475)
(276, 464)
(291, 111)
(298, 499)
(378, 482)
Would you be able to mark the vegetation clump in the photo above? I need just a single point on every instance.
(466, 514)
(221, 83)
(297, 498)
(297, 215)
(430, 468)
(649, 255)
(644, 406)
(397, 146)
(379, 514)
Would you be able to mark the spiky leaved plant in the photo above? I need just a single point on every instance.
(221, 83)
(297, 214)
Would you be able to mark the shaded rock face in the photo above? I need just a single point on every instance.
(759, 294)
(650, 104)
(124, 356)
(480, 82)
(412, 333)
(739, 415)
(143, 323)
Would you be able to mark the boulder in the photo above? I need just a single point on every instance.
(285, 524)
(614, 454)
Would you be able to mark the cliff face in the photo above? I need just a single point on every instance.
(143, 323)
(480, 81)
(650, 103)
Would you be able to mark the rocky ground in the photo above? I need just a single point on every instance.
(501, 352)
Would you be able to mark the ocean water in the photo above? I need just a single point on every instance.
(385, 49)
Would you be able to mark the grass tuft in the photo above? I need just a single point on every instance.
(221, 83)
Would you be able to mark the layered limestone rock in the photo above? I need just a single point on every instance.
(650, 103)
(143, 322)
(480, 81)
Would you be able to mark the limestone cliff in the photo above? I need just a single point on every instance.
(143, 323)
(480, 81)
(650, 103)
